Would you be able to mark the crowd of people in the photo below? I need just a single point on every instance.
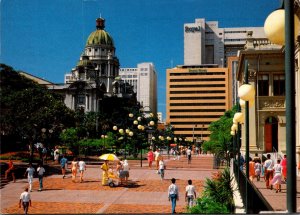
(273, 171)
(122, 170)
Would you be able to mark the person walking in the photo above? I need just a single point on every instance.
(25, 200)
(29, 171)
(41, 171)
(162, 168)
(251, 169)
(74, 169)
(150, 157)
(189, 155)
(63, 165)
(190, 194)
(173, 194)
(56, 154)
(284, 167)
(276, 181)
(257, 168)
(157, 155)
(10, 170)
(268, 165)
(82, 168)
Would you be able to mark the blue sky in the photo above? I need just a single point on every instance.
(46, 37)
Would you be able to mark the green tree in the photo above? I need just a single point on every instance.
(220, 143)
(27, 107)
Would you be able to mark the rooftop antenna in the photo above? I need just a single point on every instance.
(172, 63)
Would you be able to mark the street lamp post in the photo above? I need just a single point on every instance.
(274, 30)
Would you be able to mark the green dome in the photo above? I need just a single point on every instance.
(100, 37)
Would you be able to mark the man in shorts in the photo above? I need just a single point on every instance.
(82, 168)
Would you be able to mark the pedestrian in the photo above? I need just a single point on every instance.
(63, 165)
(178, 154)
(173, 194)
(82, 168)
(257, 168)
(162, 168)
(10, 170)
(119, 169)
(284, 167)
(251, 169)
(157, 155)
(268, 165)
(256, 158)
(56, 154)
(74, 169)
(276, 181)
(125, 172)
(190, 194)
(242, 161)
(41, 171)
(29, 171)
(105, 168)
(44, 155)
(189, 155)
(25, 200)
(150, 157)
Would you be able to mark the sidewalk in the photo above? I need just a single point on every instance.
(148, 194)
(277, 200)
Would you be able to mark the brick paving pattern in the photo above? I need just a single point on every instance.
(145, 192)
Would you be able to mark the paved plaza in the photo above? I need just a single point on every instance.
(146, 192)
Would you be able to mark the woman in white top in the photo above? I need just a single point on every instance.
(277, 176)
(162, 168)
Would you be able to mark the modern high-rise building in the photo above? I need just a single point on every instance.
(196, 96)
(143, 78)
(206, 43)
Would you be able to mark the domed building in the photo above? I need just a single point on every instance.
(95, 76)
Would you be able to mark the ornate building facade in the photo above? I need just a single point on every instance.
(95, 77)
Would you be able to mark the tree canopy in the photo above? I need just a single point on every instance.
(27, 107)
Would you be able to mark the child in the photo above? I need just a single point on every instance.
(257, 168)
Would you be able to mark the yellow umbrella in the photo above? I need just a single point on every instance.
(109, 157)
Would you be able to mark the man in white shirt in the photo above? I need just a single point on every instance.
(189, 155)
(268, 165)
(41, 171)
(190, 193)
(30, 171)
(173, 194)
(82, 168)
(25, 200)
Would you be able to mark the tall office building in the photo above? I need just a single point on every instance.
(206, 43)
(143, 78)
(196, 96)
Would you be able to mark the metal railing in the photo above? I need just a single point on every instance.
(253, 200)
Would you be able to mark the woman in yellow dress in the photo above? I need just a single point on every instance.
(74, 169)
(105, 168)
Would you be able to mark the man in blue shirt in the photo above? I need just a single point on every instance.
(64, 165)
